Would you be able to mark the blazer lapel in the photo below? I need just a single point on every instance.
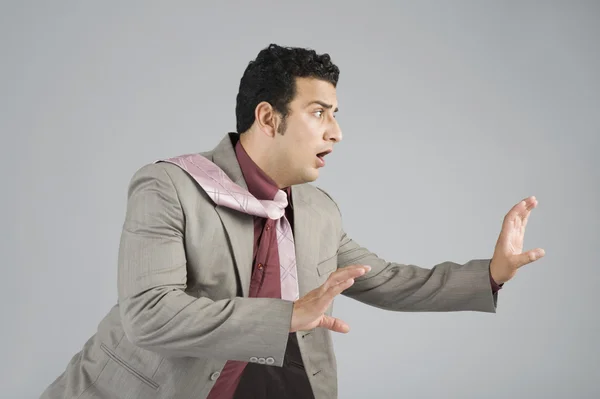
(305, 241)
(239, 226)
(240, 230)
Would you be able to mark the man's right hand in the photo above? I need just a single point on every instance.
(309, 311)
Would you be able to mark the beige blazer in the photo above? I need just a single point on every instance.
(184, 273)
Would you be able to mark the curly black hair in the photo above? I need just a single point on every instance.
(271, 77)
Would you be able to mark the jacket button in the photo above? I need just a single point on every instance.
(270, 360)
(215, 375)
(261, 360)
(254, 359)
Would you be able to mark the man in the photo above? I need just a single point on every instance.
(230, 260)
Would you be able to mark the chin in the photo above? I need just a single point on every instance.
(311, 176)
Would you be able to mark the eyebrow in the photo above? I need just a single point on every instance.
(322, 104)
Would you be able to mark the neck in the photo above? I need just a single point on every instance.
(260, 149)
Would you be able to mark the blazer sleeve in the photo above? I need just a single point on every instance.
(156, 312)
(448, 286)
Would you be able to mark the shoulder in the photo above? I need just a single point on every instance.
(318, 198)
(165, 174)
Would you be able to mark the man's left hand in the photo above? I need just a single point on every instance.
(508, 255)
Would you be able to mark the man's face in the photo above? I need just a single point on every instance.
(310, 129)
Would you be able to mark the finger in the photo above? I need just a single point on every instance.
(333, 291)
(530, 202)
(333, 324)
(339, 288)
(530, 206)
(519, 214)
(353, 268)
(326, 295)
(530, 256)
(343, 274)
(524, 207)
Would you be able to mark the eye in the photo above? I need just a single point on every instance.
(318, 113)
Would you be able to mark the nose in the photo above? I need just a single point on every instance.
(334, 133)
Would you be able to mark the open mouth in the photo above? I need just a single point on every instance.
(321, 157)
(322, 154)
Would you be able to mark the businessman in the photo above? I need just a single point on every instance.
(230, 259)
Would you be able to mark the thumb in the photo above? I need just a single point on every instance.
(530, 256)
(333, 324)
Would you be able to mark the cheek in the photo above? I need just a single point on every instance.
(300, 150)
(299, 156)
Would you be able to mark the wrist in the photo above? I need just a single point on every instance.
(495, 278)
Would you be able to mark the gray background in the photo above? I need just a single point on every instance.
(452, 111)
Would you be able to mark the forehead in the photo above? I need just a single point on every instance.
(311, 89)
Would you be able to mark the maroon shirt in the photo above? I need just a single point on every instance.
(265, 280)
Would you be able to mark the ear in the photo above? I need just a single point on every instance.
(267, 119)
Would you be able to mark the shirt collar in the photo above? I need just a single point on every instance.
(259, 183)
